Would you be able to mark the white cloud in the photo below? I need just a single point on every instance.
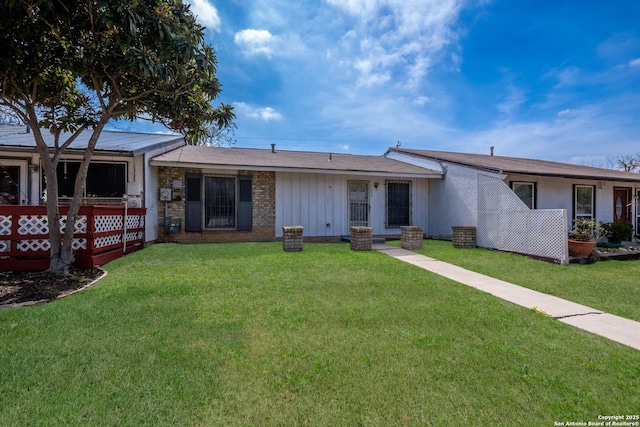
(568, 76)
(634, 63)
(400, 38)
(266, 114)
(421, 100)
(205, 13)
(255, 42)
(513, 100)
(574, 134)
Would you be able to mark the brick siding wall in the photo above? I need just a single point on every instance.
(263, 209)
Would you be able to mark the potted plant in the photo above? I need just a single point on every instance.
(582, 237)
(615, 232)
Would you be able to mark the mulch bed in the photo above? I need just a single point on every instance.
(40, 286)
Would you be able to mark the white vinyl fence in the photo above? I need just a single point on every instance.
(506, 223)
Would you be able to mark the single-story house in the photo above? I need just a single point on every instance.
(582, 191)
(240, 194)
(522, 205)
(119, 166)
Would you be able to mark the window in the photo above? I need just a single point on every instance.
(584, 201)
(398, 203)
(220, 202)
(103, 179)
(526, 191)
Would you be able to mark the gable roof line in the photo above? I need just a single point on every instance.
(289, 161)
(521, 166)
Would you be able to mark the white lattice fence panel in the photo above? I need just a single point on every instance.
(29, 225)
(33, 245)
(506, 223)
(104, 223)
(135, 221)
(80, 225)
(112, 239)
(5, 225)
(5, 245)
(134, 235)
(79, 244)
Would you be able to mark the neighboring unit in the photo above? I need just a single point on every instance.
(586, 192)
(119, 166)
(521, 205)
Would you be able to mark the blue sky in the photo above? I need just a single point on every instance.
(556, 80)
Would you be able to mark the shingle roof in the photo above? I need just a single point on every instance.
(261, 159)
(516, 165)
(115, 141)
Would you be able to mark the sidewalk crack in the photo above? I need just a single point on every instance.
(577, 315)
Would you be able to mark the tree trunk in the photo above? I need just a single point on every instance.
(65, 257)
(61, 246)
(58, 264)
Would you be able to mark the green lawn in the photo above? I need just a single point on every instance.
(245, 334)
(611, 286)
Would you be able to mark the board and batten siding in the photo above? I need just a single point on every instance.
(319, 202)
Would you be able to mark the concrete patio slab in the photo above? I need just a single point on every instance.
(615, 328)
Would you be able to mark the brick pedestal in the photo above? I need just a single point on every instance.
(292, 238)
(464, 237)
(361, 238)
(411, 237)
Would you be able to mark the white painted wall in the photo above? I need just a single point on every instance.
(453, 201)
(557, 193)
(319, 202)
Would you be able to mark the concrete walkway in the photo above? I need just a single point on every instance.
(615, 328)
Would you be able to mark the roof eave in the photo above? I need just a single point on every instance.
(162, 144)
(182, 164)
(573, 176)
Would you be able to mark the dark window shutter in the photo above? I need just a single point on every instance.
(193, 204)
(245, 205)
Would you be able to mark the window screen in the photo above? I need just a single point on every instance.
(103, 179)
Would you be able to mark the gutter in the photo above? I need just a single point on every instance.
(293, 169)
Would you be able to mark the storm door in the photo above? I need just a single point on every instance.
(9, 185)
(358, 204)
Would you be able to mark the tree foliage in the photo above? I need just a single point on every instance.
(67, 66)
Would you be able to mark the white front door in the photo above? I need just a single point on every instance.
(358, 204)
